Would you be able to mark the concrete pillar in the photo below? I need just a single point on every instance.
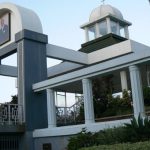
(118, 28)
(31, 51)
(88, 101)
(126, 31)
(51, 108)
(124, 84)
(86, 34)
(108, 25)
(32, 68)
(97, 30)
(137, 92)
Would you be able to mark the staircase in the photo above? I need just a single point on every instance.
(69, 115)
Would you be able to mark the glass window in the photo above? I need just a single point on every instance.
(92, 33)
(61, 99)
(122, 33)
(113, 27)
(103, 28)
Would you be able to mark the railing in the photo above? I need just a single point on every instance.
(68, 115)
(9, 142)
(10, 114)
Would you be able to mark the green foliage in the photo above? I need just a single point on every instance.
(82, 139)
(124, 146)
(14, 99)
(113, 106)
(101, 88)
(80, 117)
(137, 130)
(117, 102)
(141, 128)
(146, 94)
(118, 106)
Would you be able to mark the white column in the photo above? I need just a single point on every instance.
(126, 31)
(108, 25)
(124, 84)
(137, 92)
(51, 108)
(118, 28)
(88, 101)
(86, 34)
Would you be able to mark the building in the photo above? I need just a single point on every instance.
(108, 50)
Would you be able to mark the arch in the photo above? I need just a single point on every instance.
(21, 18)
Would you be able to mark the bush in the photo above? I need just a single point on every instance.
(127, 146)
(137, 130)
(146, 94)
(141, 128)
(82, 139)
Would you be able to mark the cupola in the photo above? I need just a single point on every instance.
(103, 20)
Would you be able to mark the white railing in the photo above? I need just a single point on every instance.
(68, 115)
(10, 114)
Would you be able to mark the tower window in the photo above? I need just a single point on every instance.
(122, 33)
(114, 27)
(103, 28)
(91, 32)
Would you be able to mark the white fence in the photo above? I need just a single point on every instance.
(10, 114)
(68, 115)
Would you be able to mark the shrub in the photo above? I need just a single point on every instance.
(141, 127)
(137, 130)
(82, 139)
(146, 94)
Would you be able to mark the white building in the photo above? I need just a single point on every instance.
(108, 50)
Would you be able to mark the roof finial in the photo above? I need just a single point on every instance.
(103, 1)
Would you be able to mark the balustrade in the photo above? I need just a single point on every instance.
(69, 115)
(10, 114)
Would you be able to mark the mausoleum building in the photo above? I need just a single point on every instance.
(36, 122)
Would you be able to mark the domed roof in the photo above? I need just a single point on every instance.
(103, 11)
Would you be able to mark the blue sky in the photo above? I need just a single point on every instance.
(61, 20)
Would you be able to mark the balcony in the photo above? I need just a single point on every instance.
(10, 114)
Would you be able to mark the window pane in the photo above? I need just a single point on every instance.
(113, 27)
(103, 28)
(92, 33)
(122, 31)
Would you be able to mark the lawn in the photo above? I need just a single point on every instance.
(125, 146)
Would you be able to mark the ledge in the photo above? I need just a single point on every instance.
(31, 35)
(12, 129)
(71, 130)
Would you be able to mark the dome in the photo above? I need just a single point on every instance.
(103, 11)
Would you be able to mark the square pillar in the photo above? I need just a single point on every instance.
(123, 77)
(137, 92)
(51, 108)
(32, 68)
(86, 34)
(88, 101)
(97, 30)
(108, 25)
(126, 31)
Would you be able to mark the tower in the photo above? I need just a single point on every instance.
(106, 26)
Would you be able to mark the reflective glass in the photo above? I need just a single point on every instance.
(113, 27)
(103, 28)
(91, 32)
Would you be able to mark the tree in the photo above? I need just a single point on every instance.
(14, 99)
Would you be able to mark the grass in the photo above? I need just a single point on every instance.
(124, 146)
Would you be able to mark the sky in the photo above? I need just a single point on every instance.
(61, 21)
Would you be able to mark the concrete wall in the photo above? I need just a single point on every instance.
(57, 143)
